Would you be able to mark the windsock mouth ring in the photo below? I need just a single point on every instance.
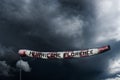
(22, 53)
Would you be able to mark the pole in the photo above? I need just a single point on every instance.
(20, 75)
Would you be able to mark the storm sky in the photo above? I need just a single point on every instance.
(58, 25)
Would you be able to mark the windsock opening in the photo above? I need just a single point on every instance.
(22, 53)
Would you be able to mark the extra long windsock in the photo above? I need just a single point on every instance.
(63, 54)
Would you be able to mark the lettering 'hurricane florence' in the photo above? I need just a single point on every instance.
(59, 55)
(64, 54)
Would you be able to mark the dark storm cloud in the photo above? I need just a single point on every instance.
(28, 20)
(7, 53)
(45, 25)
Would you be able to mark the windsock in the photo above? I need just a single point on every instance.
(63, 54)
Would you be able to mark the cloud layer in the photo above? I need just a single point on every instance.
(60, 25)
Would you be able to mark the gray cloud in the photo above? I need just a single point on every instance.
(23, 65)
(113, 78)
(107, 15)
(7, 57)
(4, 68)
